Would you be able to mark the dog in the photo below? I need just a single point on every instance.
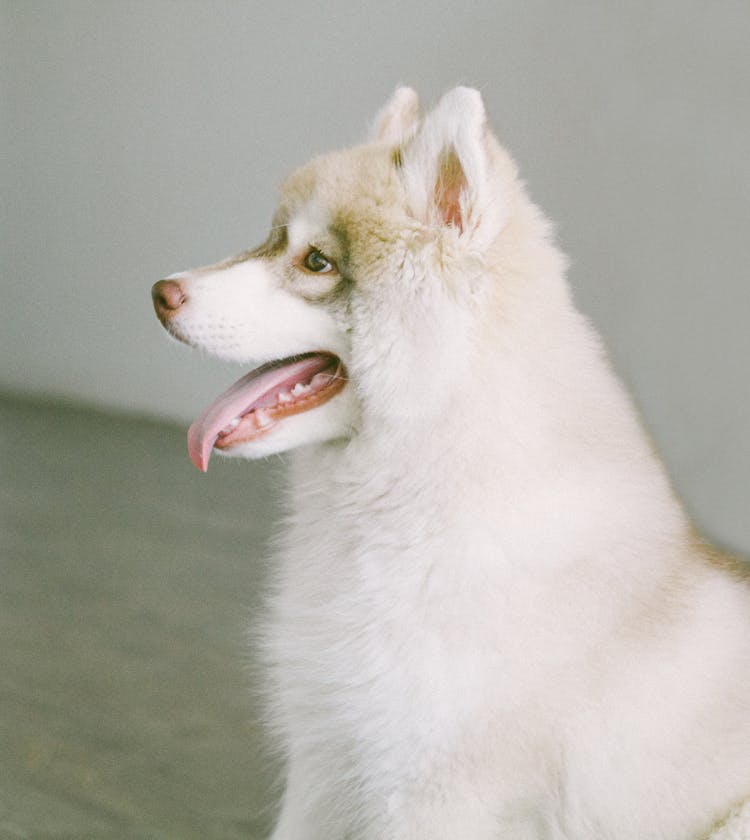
(491, 618)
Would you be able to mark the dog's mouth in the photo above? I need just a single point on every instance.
(251, 407)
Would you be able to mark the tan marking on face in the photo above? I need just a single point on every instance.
(349, 206)
(275, 244)
(318, 287)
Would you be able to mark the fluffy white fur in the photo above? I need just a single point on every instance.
(491, 619)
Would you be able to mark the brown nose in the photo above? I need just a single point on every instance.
(168, 297)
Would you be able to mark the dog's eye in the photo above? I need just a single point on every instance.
(317, 262)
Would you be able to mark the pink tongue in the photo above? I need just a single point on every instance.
(239, 398)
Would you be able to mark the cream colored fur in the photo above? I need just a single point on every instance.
(491, 619)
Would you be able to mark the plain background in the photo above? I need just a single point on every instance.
(141, 138)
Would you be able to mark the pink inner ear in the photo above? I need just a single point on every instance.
(451, 181)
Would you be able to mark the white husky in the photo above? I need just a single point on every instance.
(492, 619)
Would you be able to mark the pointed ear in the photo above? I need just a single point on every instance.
(447, 171)
(397, 121)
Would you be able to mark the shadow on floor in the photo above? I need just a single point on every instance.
(128, 583)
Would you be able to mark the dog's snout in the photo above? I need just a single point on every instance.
(168, 297)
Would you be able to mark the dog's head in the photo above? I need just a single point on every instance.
(362, 304)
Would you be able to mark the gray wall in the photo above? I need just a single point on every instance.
(139, 138)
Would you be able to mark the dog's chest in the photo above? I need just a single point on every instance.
(369, 616)
(384, 650)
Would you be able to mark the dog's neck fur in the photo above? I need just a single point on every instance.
(561, 447)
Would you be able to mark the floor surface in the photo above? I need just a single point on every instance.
(128, 581)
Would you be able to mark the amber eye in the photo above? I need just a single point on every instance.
(317, 263)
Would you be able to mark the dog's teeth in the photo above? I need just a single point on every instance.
(263, 418)
(231, 426)
(320, 380)
(284, 396)
(299, 388)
